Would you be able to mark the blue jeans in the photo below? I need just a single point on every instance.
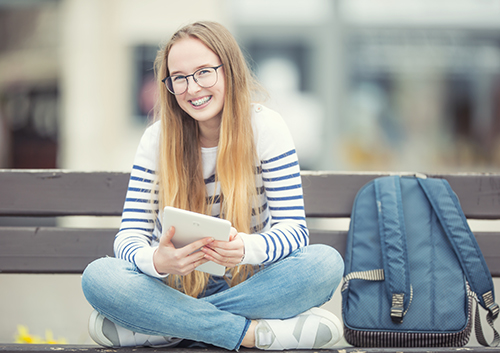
(306, 278)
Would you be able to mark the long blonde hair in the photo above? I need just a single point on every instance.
(180, 175)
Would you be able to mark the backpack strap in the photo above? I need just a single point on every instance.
(393, 244)
(449, 212)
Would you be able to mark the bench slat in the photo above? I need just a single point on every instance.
(60, 193)
(69, 250)
(51, 249)
(479, 194)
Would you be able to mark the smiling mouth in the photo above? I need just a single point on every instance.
(200, 101)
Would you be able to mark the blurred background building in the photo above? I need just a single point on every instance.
(398, 85)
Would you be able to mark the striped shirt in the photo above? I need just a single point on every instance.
(280, 218)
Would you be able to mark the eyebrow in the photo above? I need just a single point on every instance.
(196, 69)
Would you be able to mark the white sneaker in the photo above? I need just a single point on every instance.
(314, 329)
(108, 334)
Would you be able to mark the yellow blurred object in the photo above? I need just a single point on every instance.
(23, 336)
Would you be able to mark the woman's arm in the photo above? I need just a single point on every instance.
(284, 217)
(138, 236)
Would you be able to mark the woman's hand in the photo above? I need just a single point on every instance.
(226, 253)
(168, 259)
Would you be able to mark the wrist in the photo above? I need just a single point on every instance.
(155, 262)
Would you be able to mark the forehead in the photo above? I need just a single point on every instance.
(189, 54)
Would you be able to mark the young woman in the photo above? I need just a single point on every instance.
(214, 152)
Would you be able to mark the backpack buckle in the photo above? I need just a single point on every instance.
(397, 314)
(490, 304)
(493, 311)
(397, 309)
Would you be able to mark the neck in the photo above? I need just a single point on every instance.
(209, 135)
(207, 143)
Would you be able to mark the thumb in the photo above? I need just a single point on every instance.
(166, 239)
(232, 233)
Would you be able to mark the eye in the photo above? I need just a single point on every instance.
(178, 78)
(204, 72)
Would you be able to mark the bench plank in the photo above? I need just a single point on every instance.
(51, 249)
(479, 193)
(60, 193)
(69, 250)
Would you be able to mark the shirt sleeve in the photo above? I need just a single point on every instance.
(137, 239)
(282, 185)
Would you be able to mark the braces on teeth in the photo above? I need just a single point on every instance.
(200, 101)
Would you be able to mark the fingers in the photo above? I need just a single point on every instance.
(228, 254)
(197, 245)
(185, 265)
(199, 262)
(168, 259)
(182, 261)
(166, 239)
(234, 242)
(189, 258)
(229, 261)
(232, 234)
(192, 262)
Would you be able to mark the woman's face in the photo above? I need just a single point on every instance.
(202, 104)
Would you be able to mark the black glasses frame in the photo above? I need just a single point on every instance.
(194, 78)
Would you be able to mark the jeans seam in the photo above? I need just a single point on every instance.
(245, 330)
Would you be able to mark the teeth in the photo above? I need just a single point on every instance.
(200, 101)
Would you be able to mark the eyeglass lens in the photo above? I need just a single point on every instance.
(205, 77)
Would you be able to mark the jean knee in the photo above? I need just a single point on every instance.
(326, 257)
(98, 278)
(333, 263)
(90, 278)
(328, 264)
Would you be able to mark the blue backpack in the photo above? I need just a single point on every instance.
(412, 268)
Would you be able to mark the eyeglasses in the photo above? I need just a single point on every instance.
(205, 77)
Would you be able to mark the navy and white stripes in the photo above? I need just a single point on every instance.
(282, 184)
(279, 222)
(139, 215)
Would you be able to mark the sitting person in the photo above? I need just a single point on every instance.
(214, 152)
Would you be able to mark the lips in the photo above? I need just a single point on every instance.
(200, 101)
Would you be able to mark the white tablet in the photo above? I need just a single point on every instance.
(192, 226)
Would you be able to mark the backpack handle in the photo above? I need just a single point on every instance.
(447, 207)
(449, 212)
(392, 232)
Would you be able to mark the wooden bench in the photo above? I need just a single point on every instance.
(57, 193)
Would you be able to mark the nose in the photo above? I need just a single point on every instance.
(193, 86)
